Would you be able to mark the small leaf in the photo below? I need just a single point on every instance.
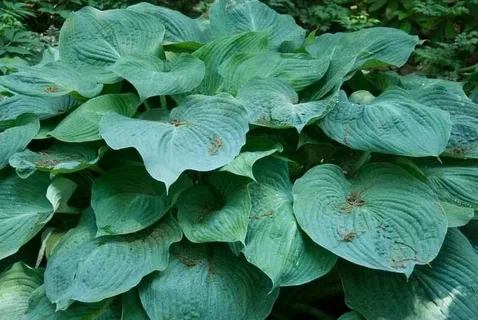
(24, 209)
(203, 133)
(132, 308)
(59, 193)
(392, 123)
(92, 40)
(368, 221)
(457, 216)
(256, 148)
(82, 125)
(153, 77)
(17, 283)
(59, 158)
(229, 17)
(76, 270)
(52, 80)
(444, 290)
(274, 103)
(218, 212)
(127, 199)
(17, 138)
(274, 242)
(351, 315)
(207, 282)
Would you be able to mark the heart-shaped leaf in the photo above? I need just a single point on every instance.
(77, 269)
(391, 123)
(59, 158)
(274, 103)
(82, 125)
(368, 221)
(274, 242)
(153, 77)
(218, 212)
(92, 40)
(207, 282)
(230, 17)
(446, 289)
(127, 199)
(203, 133)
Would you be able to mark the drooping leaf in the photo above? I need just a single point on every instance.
(203, 133)
(24, 209)
(59, 158)
(274, 242)
(52, 80)
(207, 282)
(369, 221)
(256, 148)
(229, 17)
(82, 125)
(16, 139)
(16, 285)
(218, 212)
(179, 28)
(43, 107)
(363, 49)
(59, 193)
(454, 182)
(274, 103)
(298, 69)
(40, 308)
(216, 52)
(127, 199)
(391, 123)
(92, 40)
(153, 77)
(86, 268)
(444, 290)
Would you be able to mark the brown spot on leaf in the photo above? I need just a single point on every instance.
(217, 144)
(51, 89)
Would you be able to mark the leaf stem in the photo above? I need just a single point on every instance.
(364, 158)
(96, 169)
(163, 102)
(147, 105)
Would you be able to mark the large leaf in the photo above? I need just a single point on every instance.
(82, 125)
(274, 103)
(40, 308)
(179, 28)
(298, 69)
(91, 40)
(454, 182)
(229, 17)
(384, 219)
(24, 209)
(59, 158)
(218, 212)
(368, 48)
(89, 269)
(274, 242)
(216, 52)
(448, 96)
(127, 199)
(444, 290)
(53, 79)
(207, 282)
(203, 133)
(43, 107)
(390, 123)
(16, 139)
(16, 285)
(153, 77)
(256, 148)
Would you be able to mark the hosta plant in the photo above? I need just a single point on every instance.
(160, 167)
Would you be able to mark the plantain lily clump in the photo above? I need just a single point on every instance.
(234, 167)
